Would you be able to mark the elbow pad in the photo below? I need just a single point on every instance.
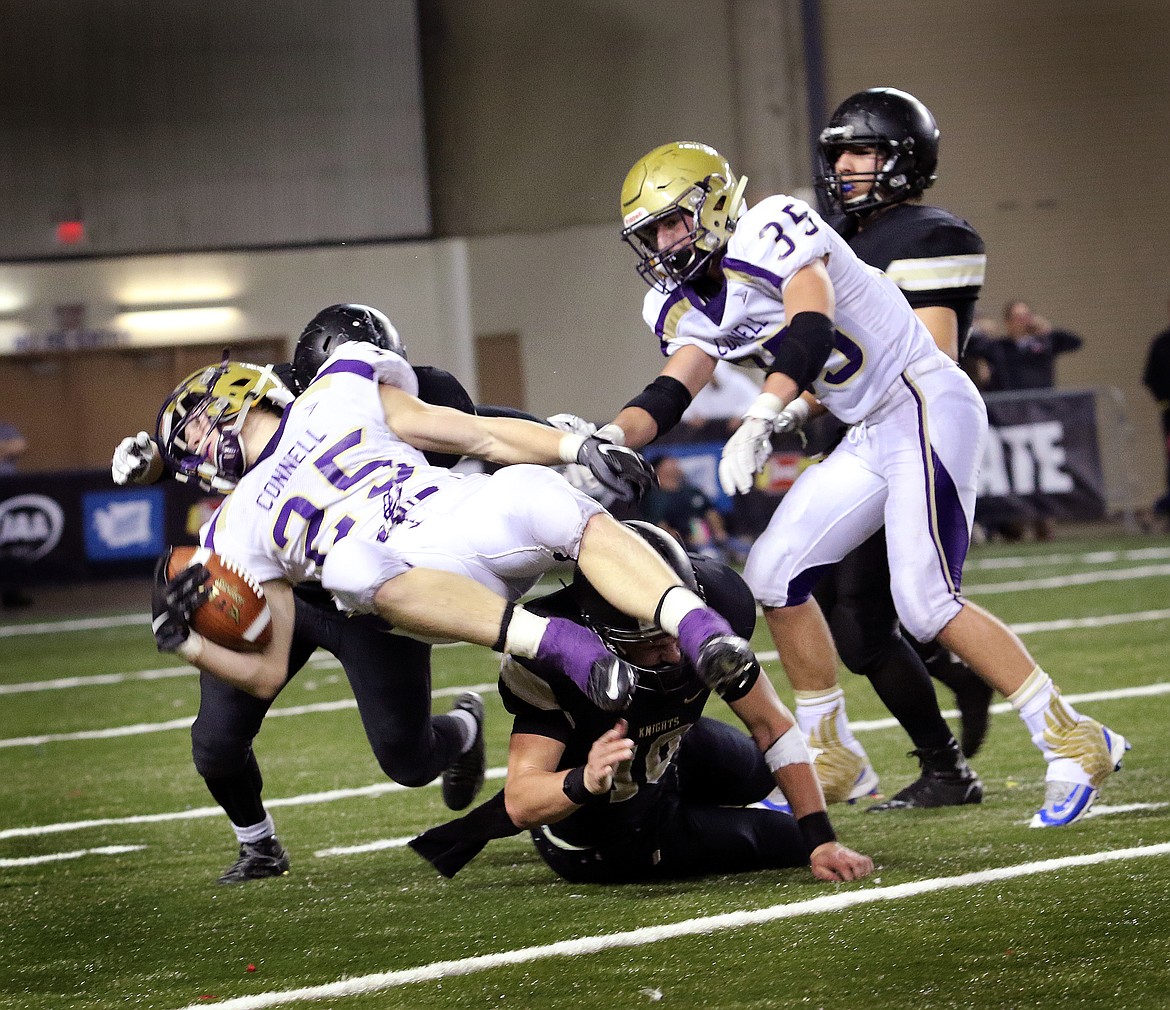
(664, 399)
(805, 348)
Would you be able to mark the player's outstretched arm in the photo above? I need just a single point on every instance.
(512, 440)
(790, 761)
(137, 460)
(657, 409)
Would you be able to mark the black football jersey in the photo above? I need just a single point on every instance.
(544, 702)
(935, 257)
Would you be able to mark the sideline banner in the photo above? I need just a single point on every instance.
(1042, 458)
(79, 526)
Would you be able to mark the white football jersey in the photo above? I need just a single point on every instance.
(877, 333)
(333, 469)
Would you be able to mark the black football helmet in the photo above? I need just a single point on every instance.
(337, 325)
(619, 630)
(903, 131)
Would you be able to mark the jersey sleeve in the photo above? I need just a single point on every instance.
(946, 267)
(370, 362)
(773, 241)
(531, 701)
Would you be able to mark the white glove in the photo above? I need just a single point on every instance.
(748, 449)
(791, 419)
(135, 459)
(573, 424)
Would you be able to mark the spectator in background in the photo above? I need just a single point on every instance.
(686, 513)
(728, 393)
(1025, 357)
(1156, 378)
(12, 448)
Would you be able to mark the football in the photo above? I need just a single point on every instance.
(236, 615)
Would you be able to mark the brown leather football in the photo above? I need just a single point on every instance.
(236, 615)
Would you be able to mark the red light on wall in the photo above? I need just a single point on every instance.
(70, 232)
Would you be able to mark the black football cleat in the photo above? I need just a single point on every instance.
(725, 661)
(265, 858)
(612, 682)
(463, 777)
(946, 781)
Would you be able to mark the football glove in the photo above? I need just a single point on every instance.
(136, 460)
(791, 420)
(620, 470)
(749, 447)
(573, 424)
(172, 604)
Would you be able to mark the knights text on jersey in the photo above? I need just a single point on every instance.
(545, 703)
(333, 469)
(877, 333)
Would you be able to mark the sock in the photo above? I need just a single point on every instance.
(466, 723)
(255, 832)
(524, 633)
(572, 649)
(1050, 718)
(821, 717)
(676, 603)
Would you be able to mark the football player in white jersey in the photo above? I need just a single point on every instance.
(775, 286)
(334, 488)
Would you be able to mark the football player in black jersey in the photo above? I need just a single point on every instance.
(390, 675)
(880, 152)
(663, 792)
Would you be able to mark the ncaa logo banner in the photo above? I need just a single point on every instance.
(30, 527)
(122, 526)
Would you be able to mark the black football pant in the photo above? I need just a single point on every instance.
(855, 597)
(701, 827)
(391, 680)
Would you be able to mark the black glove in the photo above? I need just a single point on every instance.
(619, 469)
(172, 603)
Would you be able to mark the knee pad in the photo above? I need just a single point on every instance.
(217, 756)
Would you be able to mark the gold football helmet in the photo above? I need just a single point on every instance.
(215, 399)
(684, 178)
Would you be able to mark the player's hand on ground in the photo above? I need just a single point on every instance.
(135, 459)
(608, 751)
(834, 861)
(172, 603)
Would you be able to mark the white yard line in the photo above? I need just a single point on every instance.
(1028, 628)
(325, 661)
(838, 901)
(1063, 581)
(378, 789)
(56, 857)
(1090, 558)
(973, 564)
